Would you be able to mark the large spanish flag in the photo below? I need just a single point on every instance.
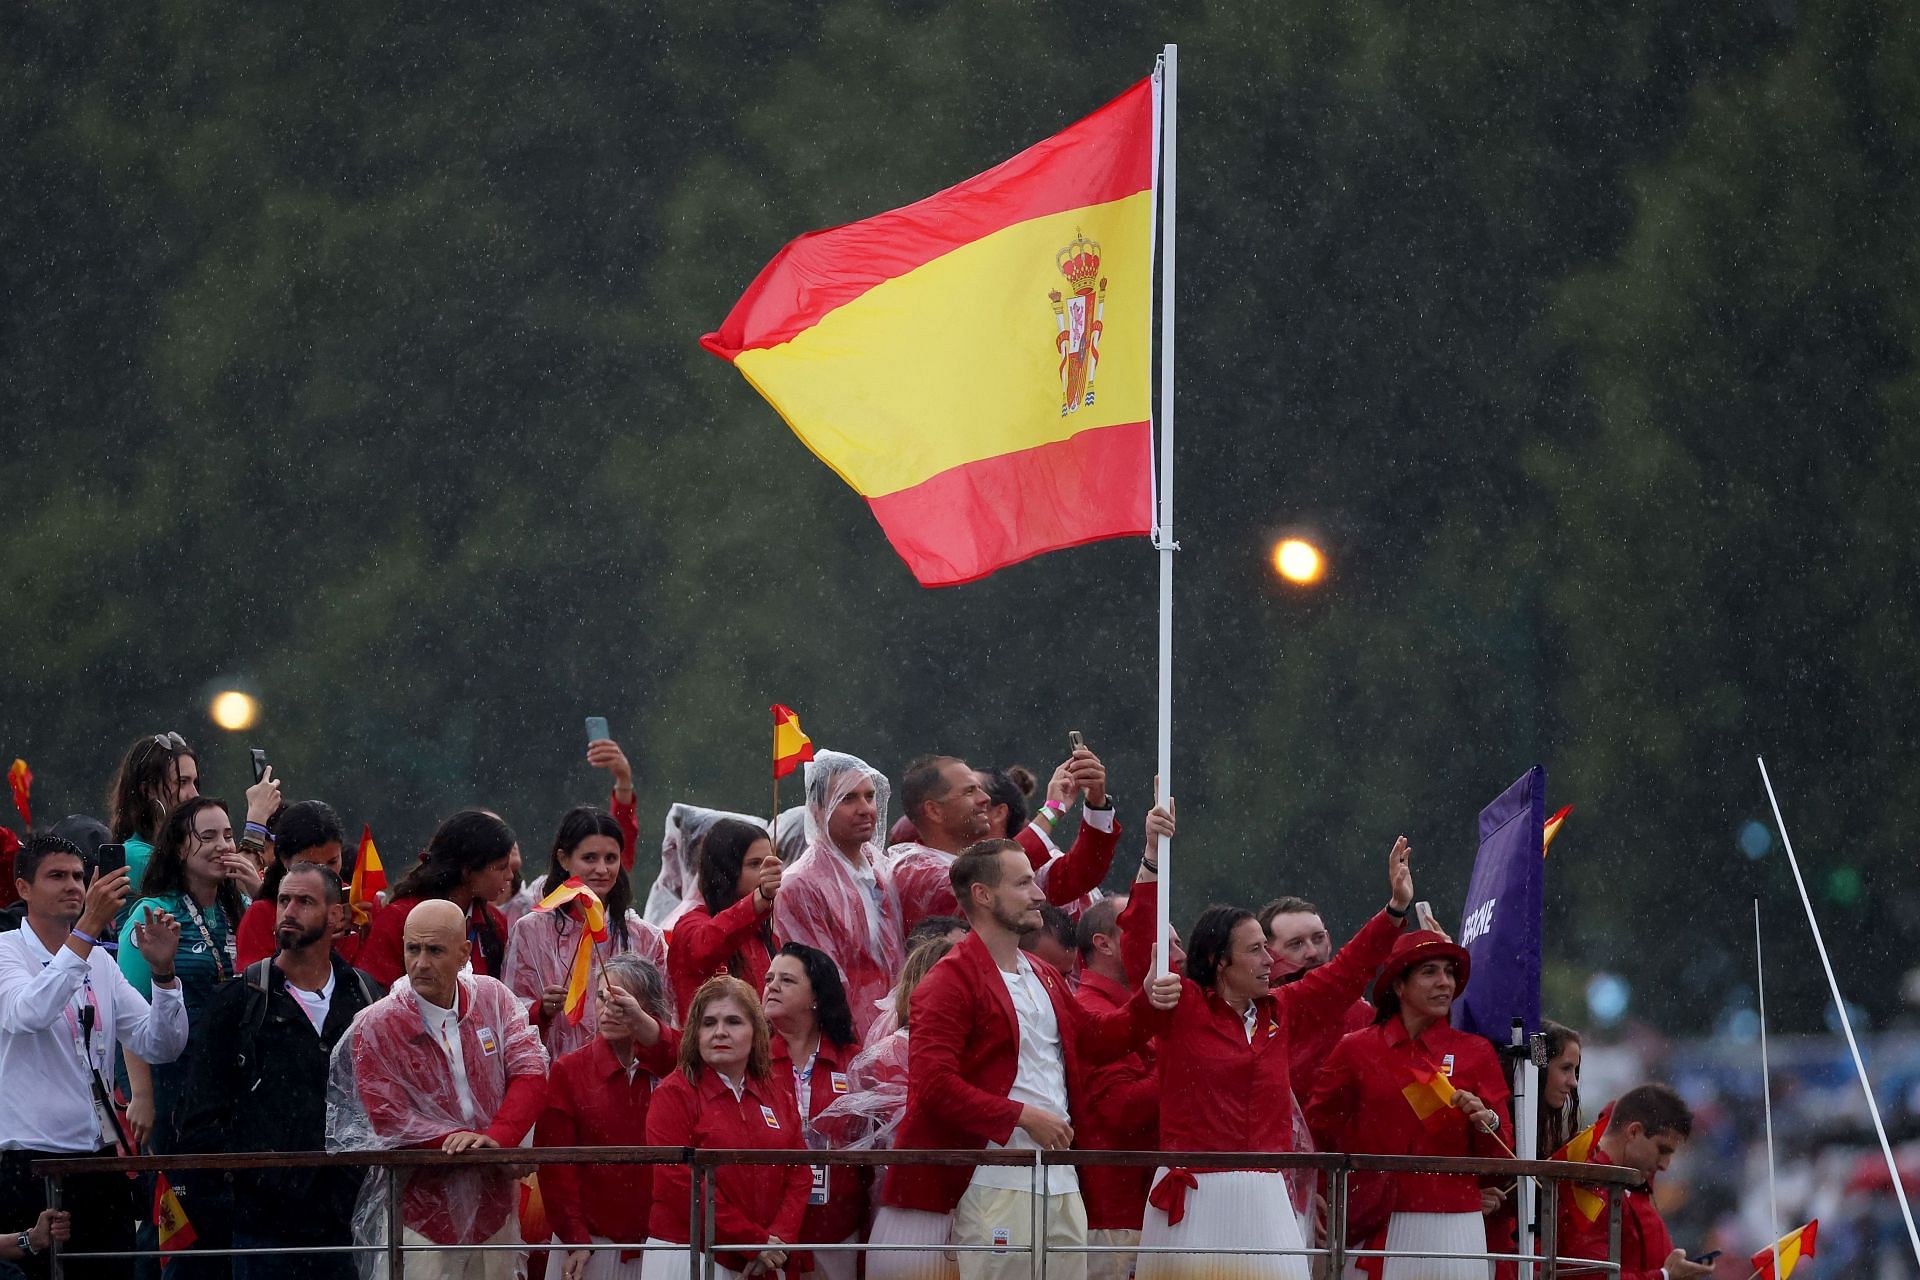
(977, 364)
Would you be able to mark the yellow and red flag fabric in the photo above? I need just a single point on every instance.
(536, 1226)
(175, 1231)
(594, 917)
(790, 746)
(1430, 1095)
(369, 879)
(1552, 829)
(1795, 1245)
(20, 779)
(1579, 1150)
(976, 365)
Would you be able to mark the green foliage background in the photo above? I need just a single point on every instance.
(350, 356)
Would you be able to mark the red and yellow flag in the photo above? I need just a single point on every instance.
(1552, 829)
(594, 916)
(1430, 1095)
(977, 364)
(1795, 1245)
(790, 745)
(1579, 1150)
(176, 1232)
(20, 778)
(369, 879)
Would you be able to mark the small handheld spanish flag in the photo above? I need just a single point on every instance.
(1551, 828)
(169, 1218)
(1579, 1150)
(1795, 1245)
(369, 879)
(1430, 1095)
(20, 778)
(594, 916)
(790, 745)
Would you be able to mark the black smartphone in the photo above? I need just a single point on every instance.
(259, 763)
(1705, 1259)
(597, 729)
(109, 857)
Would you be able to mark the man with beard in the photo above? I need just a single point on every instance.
(1298, 941)
(259, 1081)
(951, 809)
(999, 1060)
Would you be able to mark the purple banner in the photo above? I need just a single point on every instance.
(1500, 927)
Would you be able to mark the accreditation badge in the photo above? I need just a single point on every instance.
(838, 1079)
(766, 1113)
(488, 1044)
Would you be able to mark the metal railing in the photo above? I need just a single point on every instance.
(703, 1164)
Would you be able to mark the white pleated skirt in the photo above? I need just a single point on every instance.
(602, 1264)
(673, 1262)
(894, 1225)
(1228, 1210)
(1438, 1233)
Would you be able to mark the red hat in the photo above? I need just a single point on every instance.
(1416, 947)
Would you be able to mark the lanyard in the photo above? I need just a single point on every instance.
(223, 958)
(84, 998)
(803, 1088)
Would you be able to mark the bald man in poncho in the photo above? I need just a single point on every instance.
(445, 1062)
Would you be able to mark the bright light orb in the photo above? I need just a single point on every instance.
(234, 711)
(1299, 562)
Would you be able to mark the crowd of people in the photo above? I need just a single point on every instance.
(180, 982)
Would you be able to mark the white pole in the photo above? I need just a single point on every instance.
(1526, 1145)
(1846, 1023)
(1766, 1091)
(1163, 534)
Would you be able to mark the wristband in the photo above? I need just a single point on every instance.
(261, 827)
(1056, 806)
(1400, 914)
(87, 938)
(160, 981)
(1150, 865)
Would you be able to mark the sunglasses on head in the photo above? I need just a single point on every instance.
(169, 741)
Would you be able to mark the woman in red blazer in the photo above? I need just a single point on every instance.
(1225, 1082)
(813, 1046)
(730, 930)
(724, 1097)
(1360, 1105)
(599, 1096)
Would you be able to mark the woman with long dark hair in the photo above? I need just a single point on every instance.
(542, 944)
(468, 862)
(814, 1041)
(730, 930)
(158, 772)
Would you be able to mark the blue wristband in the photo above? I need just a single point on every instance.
(87, 938)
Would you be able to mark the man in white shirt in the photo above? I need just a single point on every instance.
(998, 1061)
(63, 1004)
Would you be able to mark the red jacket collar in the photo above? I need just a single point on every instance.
(830, 1054)
(1395, 1030)
(711, 1087)
(1116, 991)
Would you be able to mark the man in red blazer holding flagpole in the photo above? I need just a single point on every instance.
(998, 1060)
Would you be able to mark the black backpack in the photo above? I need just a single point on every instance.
(258, 977)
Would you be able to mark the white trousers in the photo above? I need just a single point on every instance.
(1111, 1266)
(445, 1262)
(1004, 1219)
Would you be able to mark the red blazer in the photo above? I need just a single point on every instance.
(1357, 1106)
(382, 959)
(1644, 1242)
(963, 1056)
(750, 1202)
(1123, 1114)
(846, 1208)
(1219, 1091)
(705, 944)
(592, 1102)
(920, 877)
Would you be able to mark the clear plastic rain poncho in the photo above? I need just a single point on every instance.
(678, 884)
(790, 834)
(540, 951)
(391, 1087)
(867, 1115)
(822, 902)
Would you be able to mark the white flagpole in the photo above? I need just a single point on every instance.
(1766, 1090)
(1163, 517)
(1846, 1023)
